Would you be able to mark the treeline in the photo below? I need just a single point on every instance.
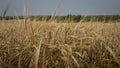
(75, 18)
(78, 18)
(11, 17)
(107, 18)
(69, 17)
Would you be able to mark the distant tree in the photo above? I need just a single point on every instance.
(76, 18)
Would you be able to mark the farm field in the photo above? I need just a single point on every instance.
(41, 44)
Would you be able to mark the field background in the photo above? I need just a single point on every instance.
(48, 44)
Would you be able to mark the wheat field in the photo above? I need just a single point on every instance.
(41, 44)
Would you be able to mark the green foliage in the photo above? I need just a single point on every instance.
(71, 18)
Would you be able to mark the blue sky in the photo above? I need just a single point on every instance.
(47, 7)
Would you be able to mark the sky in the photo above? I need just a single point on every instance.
(62, 7)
